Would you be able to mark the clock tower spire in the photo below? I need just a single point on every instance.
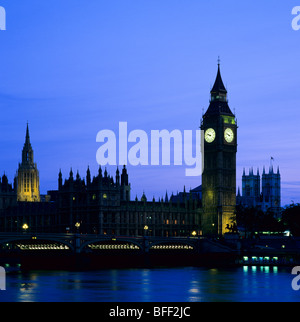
(219, 175)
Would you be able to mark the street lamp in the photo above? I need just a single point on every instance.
(77, 225)
(194, 233)
(25, 227)
(146, 229)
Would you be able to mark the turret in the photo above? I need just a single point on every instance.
(100, 172)
(88, 176)
(166, 197)
(59, 180)
(124, 177)
(71, 178)
(125, 186)
(117, 177)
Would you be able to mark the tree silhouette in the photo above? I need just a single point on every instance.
(291, 219)
(253, 219)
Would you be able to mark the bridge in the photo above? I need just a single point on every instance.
(71, 250)
(85, 243)
(82, 251)
(79, 243)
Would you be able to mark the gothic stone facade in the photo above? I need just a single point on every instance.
(102, 205)
(98, 205)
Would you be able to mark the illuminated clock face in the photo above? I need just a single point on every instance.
(229, 135)
(210, 135)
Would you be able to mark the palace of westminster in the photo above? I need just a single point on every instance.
(102, 204)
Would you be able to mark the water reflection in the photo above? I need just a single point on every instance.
(247, 283)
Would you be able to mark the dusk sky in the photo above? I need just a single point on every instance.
(73, 68)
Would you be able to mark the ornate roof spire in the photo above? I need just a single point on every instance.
(218, 102)
(219, 85)
(27, 138)
(27, 133)
(27, 152)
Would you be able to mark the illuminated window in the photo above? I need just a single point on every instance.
(104, 196)
(94, 197)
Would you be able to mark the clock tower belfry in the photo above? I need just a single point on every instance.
(219, 174)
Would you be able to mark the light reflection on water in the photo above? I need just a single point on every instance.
(153, 285)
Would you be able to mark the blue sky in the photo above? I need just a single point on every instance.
(72, 68)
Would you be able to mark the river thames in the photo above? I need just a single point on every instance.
(241, 284)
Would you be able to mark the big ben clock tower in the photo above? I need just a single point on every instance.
(219, 174)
